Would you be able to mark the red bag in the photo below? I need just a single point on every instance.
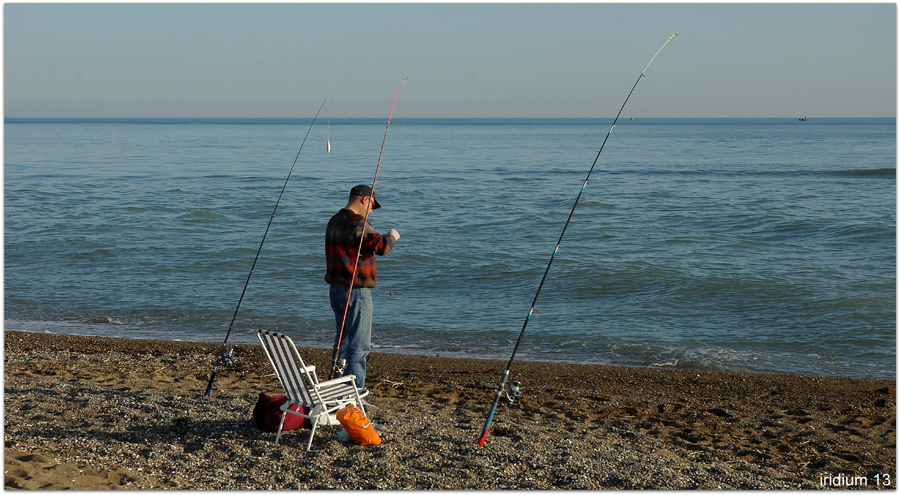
(267, 414)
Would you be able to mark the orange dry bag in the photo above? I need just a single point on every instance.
(358, 426)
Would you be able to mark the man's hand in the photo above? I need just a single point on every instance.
(393, 233)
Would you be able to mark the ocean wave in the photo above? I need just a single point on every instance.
(199, 216)
(872, 173)
(724, 173)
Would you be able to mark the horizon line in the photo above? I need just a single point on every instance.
(6, 118)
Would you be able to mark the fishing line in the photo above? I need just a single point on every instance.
(337, 343)
(505, 376)
(224, 357)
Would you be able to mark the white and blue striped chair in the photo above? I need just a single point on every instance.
(303, 387)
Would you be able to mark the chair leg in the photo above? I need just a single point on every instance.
(312, 432)
(280, 426)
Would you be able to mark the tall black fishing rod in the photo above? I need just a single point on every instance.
(337, 342)
(222, 357)
(503, 379)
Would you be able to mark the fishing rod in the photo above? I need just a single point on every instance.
(337, 343)
(224, 357)
(505, 376)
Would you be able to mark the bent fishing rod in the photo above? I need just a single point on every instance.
(223, 357)
(337, 343)
(505, 376)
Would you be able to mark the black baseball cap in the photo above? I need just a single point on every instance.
(364, 190)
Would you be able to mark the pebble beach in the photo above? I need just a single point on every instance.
(90, 413)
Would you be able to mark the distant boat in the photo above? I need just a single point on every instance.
(328, 139)
(803, 119)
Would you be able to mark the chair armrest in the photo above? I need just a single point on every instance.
(311, 371)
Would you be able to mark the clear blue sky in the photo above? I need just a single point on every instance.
(462, 60)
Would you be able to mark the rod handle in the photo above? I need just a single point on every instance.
(212, 378)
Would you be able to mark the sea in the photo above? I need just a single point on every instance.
(752, 245)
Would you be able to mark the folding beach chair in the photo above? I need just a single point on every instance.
(302, 386)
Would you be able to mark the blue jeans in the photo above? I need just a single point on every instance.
(357, 338)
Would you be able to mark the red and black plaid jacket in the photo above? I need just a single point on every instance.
(341, 243)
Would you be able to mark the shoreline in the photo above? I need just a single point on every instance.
(99, 412)
(377, 350)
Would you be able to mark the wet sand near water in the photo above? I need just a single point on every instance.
(99, 413)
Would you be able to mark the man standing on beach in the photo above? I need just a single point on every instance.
(342, 241)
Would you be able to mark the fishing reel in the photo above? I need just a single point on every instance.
(514, 392)
(339, 367)
(227, 357)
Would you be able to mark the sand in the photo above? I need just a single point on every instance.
(98, 413)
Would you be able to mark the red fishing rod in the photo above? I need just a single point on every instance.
(503, 379)
(224, 357)
(337, 344)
